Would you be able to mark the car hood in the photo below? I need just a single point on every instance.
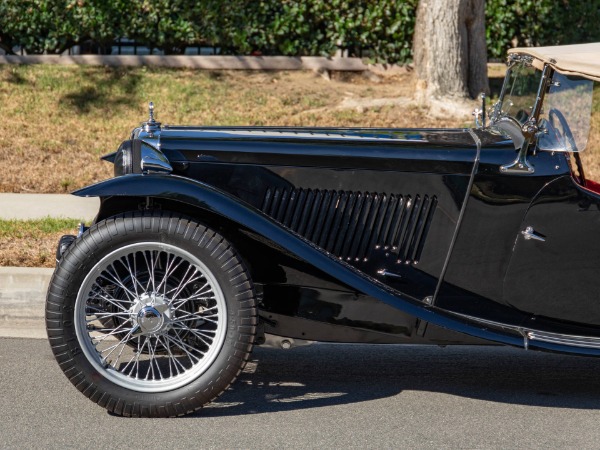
(382, 148)
(391, 136)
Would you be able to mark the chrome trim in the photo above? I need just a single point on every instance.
(564, 339)
(536, 335)
(81, 228)
(153, 161)
(460, 215)
(529, 234)
(387, 273)
(479, 113)
(492, 323)
(151, 125)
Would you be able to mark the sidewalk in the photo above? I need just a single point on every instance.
(23, 289)
(38, 206)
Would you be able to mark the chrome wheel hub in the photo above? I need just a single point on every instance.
(151, 315)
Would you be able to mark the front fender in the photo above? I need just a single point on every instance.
(201, 195)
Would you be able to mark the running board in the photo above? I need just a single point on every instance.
(564, 339)
(540, 336)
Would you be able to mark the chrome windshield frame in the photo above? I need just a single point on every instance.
(530, 128)
(513, 60)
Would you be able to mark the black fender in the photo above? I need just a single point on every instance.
(204, 196)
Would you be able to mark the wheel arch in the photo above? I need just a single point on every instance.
(251, 248)
(264, 244)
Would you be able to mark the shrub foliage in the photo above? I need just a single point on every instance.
(380, 29)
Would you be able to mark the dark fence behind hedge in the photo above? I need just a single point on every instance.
(380, 29)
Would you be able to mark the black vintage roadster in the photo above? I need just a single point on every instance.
(210, 240)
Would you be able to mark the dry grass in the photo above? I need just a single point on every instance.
(591, 155)
(55, 121)
(32, 243)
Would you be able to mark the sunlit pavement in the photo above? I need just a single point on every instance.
(328, 396)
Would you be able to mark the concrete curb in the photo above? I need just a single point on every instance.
(203, 62)
(217, 62)
(23, 289)
(22, 299)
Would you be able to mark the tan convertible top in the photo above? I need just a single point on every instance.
(580, 59)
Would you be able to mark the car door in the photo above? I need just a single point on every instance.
(555, 267)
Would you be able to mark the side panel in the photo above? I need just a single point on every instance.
(474, 281)
(389, 207)
(203, 197)
(374, 220)
(559, 277)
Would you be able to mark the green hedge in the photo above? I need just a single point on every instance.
(380, 29)
(268, 27)
(524, 23)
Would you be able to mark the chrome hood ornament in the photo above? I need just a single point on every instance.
(151, 125)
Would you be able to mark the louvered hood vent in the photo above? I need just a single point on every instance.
(351, 225)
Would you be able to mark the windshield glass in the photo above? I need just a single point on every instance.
(565, 119)
(520, 92)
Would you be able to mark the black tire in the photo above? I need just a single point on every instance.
(197, 335)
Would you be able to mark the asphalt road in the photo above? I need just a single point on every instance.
(327, 396)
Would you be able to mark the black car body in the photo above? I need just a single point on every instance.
(428, 236)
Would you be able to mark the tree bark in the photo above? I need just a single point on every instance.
(450, 53)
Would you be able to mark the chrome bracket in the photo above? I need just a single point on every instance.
(81, 228)
(479, 113)
(515, 131)
(529, 234)
(495, 111)
(284, 343)
(520, 166)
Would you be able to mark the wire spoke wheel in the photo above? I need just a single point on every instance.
(151, 317)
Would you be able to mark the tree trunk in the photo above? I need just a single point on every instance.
(449, 48)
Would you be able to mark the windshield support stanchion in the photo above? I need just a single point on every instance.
(530, 129)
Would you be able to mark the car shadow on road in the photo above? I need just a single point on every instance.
(329, 374)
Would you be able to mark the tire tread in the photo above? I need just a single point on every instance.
(61, 329)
